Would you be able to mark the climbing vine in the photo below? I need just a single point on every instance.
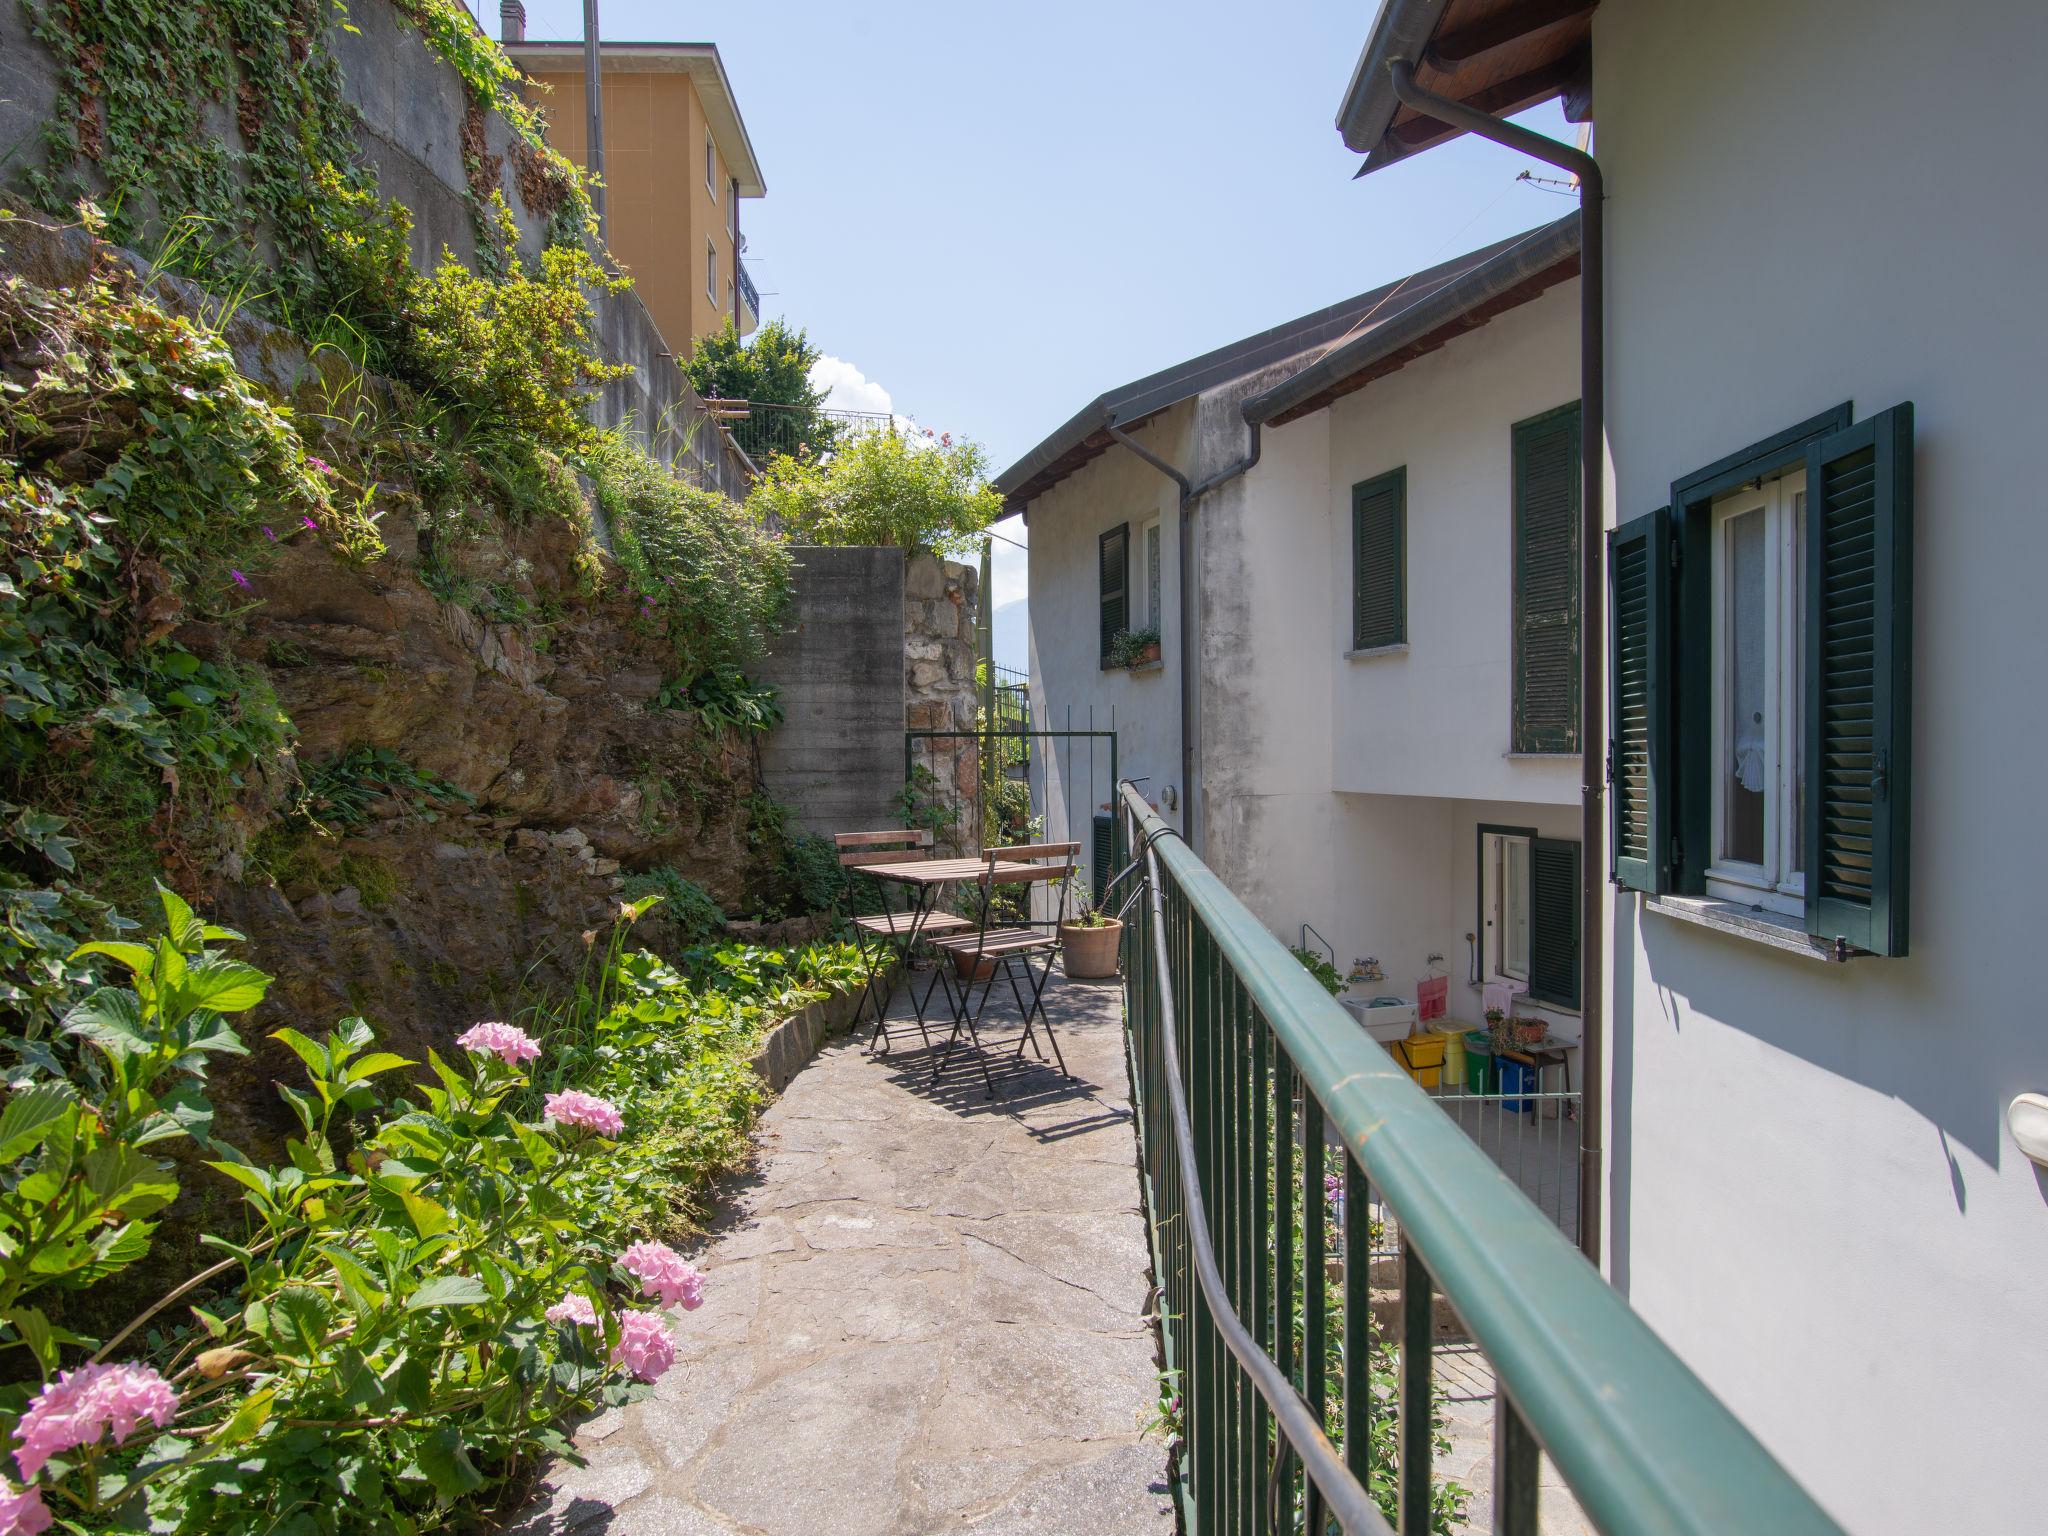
(218, 134)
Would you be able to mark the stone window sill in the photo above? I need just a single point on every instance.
(1377, 650)
(1751, 923)
(1145, 667)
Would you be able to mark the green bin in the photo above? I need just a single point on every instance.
(1480, 1074)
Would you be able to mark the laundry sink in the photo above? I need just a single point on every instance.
(1386, 1019)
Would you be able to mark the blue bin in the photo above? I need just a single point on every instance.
(1516, 1077)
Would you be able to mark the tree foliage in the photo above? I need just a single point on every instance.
(882, 487)
(773, 368)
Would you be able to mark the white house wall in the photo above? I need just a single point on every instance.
(1264, 722)
(1813, 1196)
(1065, 607)
(1435, 719)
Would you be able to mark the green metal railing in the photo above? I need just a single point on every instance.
(1248, 1075)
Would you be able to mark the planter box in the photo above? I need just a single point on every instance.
(790, 1045)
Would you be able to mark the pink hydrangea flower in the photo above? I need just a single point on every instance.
(574, 1107)
(22, 1512)
(508, 1042)
(664, 1273)
(77, 1407)
(572, 1309)
(644, 1347)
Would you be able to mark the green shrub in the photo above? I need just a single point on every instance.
(374, 1350)
(882, 487)
(685, 903)
(708, 575)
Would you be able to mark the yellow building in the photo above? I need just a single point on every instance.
(677, 162)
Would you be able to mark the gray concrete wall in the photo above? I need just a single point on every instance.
(837, 758)
(412, 107)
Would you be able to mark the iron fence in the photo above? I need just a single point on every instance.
(984, 788)
(767, 429)
(1249, 1082)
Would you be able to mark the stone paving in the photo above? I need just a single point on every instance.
(924, 1312)
(1470, 1393)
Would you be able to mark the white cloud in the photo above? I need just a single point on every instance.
(848, 389)
(1009, 565)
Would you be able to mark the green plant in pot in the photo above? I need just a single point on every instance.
(1134, 648)
(1089, 939)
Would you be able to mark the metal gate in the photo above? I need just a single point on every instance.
(1010, 784)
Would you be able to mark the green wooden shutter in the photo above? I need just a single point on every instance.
(1546, 583)
(1639, 702)
(1116, 586)
(1102, 853)
(1859, 723)
(1554, 921)
(1379, 561)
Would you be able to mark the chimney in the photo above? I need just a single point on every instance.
(511, 21)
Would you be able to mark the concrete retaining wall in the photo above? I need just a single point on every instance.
(838, 756)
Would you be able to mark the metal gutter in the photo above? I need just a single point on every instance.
(1592, 605)
(1529, 257)
(1400, 31)
(1131, 403)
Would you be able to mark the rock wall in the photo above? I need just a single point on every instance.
(939, 598)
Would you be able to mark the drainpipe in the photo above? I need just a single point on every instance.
(1183, 639)
(593, 100)
(1592, 603)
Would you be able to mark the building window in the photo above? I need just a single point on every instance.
(710, 164)
(1760, 701)
(732, 209)
(1114, 567)
(1546, 583)
(1155, 614)
(1529, 894)
(1758, 610)
(1379, 562)
(711, 270)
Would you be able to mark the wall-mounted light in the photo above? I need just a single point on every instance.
(2027, 1118)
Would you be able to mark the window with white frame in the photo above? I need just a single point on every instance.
(1529, 894)
(1505, 902)
(710, 164)
(711, 270)
(1149, 543)
(1758, 534)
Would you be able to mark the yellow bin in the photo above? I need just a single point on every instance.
(1422, 1056)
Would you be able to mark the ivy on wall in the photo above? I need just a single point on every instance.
(218, 133)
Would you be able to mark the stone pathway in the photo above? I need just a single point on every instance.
(925, 1312)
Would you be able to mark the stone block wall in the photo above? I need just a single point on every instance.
(939, 608)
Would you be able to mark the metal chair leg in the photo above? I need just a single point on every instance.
(1038, 1007)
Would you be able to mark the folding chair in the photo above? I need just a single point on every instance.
(1009, 948)
(878, 935)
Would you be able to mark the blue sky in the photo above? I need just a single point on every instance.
(993, 213)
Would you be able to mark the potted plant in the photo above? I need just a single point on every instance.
(1088, 942)
(1134, 648)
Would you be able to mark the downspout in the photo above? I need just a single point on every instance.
(1183, 639)
(1592, 604)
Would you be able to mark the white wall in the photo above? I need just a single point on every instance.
(1435, 719)
(1067, 679)
(1817, 1205)
(1406, 886)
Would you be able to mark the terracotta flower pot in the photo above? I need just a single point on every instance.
(1148, 655)
(973, 968)
(1089, 954)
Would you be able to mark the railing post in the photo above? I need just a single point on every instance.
(1416, 1432)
